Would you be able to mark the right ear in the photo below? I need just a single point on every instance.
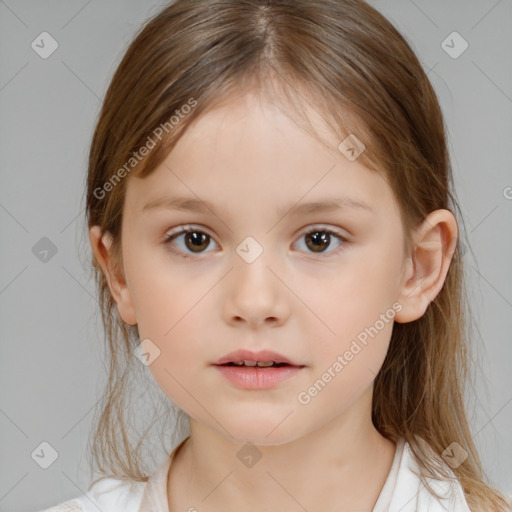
(118, 288)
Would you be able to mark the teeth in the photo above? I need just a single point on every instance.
(254, 363)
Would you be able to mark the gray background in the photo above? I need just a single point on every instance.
(50, 367)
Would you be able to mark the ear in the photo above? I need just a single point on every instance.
(118, 288)
(427, 265)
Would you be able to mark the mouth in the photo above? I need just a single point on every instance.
(257, 371)
(256, 364)
(261, 359)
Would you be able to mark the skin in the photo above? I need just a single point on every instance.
(249, 160)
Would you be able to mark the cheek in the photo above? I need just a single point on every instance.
(172, 307)
(356, 311)
(346, 363)
(179, 334)
(362, 289)
(162, 291)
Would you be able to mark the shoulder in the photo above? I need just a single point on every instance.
(107, 495)
(450, 492)
(73, 505)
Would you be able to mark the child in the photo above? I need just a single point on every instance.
(275, 238)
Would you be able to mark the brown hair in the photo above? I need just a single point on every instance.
(322, 53)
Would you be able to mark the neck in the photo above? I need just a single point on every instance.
(341, 466)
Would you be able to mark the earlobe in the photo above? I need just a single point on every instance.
(101, 245)
(427, 265)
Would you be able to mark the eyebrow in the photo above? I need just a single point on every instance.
(190, 204)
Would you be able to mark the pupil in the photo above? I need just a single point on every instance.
(198, 241)
(320, 237)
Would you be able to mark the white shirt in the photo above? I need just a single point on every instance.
(402, 491)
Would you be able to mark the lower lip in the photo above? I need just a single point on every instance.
(257, 377)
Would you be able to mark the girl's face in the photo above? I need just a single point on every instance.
(262, 271)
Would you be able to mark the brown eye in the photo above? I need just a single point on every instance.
(319, 239)
(193, 241)
(196, 241)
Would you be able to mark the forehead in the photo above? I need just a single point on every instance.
(250, 152)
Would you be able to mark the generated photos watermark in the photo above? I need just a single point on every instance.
(144, 150)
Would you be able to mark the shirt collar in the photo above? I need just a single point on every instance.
(401, 490)
(154, 498)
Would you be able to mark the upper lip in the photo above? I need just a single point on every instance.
(248, 355)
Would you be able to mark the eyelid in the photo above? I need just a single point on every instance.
(310, 228)
(324, 227)
(306, 229)
(182, 229)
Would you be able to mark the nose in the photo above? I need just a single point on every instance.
(256, 296)
(257, 322)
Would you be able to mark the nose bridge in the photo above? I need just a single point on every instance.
(252, 262)
(255, 292)
(252, 247)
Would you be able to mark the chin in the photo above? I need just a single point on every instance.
(263, 431)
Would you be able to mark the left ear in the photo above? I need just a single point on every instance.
(427, 265)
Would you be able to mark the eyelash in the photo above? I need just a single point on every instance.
(317, 229)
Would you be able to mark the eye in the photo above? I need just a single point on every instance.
(319, 238)
(196, 241)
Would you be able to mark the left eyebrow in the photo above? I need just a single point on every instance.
(190, 204)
